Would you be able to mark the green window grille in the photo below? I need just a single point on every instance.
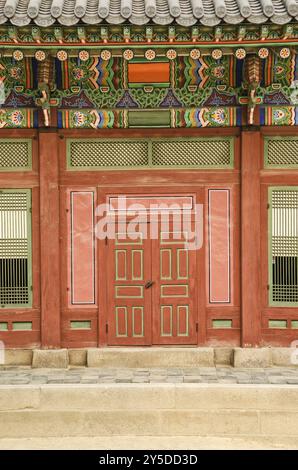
(95, 154)
(281, 152)
(15, 154)
(91, 154)
(203, 153)
(15, 248)
(283, 246)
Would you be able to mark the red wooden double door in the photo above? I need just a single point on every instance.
(151, 281)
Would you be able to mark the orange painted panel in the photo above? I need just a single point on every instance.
(82, 248)
(153, 72)
(219, 246)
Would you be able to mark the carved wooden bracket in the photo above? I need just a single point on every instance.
(253, 77)
(45, 77)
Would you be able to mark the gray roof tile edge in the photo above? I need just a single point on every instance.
(186, 13)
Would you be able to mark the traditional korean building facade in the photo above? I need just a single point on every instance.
(190, 102)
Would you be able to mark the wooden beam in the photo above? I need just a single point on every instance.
(250, 237)
(49, 239)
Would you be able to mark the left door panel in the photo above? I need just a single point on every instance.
(129, 302)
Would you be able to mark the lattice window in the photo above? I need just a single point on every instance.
(107, 153)
(281, 152)
(193, 153)
(15, 154)
(87, 154)
(283, 256)
(15, 248)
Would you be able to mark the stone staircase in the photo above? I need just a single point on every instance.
(166, 410)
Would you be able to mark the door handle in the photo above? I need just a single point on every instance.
(149, 284)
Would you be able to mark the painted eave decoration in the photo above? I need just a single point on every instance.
(140, 12)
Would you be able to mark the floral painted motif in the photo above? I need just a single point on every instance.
(40, 55)
(240, 53)
(62, 55)
(285, 53)
(79, 119)
(171, 54)
(263, 53)
(15, 72)
(218, 71)
(128, 54)
(92, 119)
(105, 55)
(78, 73)
(150, 54)
(216, 54)
(16, 118)
(84, 55)
(18, 55)
(195, 54)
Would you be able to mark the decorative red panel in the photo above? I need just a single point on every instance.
(219, 245)
(82, 248)
(149, 72)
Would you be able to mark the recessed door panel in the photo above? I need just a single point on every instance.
(129, 302)
(174, 292)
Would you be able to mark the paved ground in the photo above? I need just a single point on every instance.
(85, 375)
(147, 443)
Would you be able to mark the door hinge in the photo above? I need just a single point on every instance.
(268, 206)
(197, 327)
(107, 328)
(268, 286)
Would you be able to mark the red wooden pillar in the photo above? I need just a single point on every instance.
(250, 237)
(49, 239)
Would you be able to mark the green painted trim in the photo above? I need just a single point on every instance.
(179, 250)
(80, 324)
(269, 166)
(149, 84)
(294, 324)
(3, 326)
(187, 320)
(270, 270)
(150, 165)
(177, 45)
(18, 168)
(133, 322)
(117, 323)
(22, 325)
(162, 333)
(118, 278)
(165, 278)
(149, 118)
(162, 295)
(133, 277)
(222, 323)
(28, 192)
(277, 324)
(140, 296)
(143, 60)
(119, 241)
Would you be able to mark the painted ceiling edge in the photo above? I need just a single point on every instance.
(140, 12)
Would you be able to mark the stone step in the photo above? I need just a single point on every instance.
(149, 442)
(149, 410)
(149, 357)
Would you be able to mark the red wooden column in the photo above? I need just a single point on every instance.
(49, 239)
(250, 237)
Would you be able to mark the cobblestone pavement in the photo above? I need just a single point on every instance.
(84, 375)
